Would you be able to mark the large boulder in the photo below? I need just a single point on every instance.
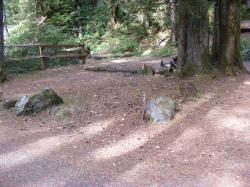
(34, 104)
(160, 110)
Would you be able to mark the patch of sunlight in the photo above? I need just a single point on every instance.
(117, 61)
(45, 146)
(227, 179)
(214, 112)
(187, 139)
(242, 110)
(31, 151)
(130, 143)
(96, 127)
(235, 123)
(135, 174)
(147, 52)
(247, 83)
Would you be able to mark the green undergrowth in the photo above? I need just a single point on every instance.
(35, 65)
(245, 49)
(163, 52)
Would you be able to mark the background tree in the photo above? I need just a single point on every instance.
(173, 20)
(193, 52)
(2, 77)
(114, 9)
(226, 42)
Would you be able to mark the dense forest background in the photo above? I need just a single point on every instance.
(120, 27)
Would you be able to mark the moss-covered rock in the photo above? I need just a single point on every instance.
(34, 104)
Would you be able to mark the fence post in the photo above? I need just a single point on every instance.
(44, 62)
(82, 59)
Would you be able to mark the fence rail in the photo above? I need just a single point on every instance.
(245, 25)
(82, 53)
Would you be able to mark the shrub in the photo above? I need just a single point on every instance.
(245, 49)
(164, 52)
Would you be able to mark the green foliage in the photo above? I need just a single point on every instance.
(245, 12)
(118, 43)
(211, 16)
(164, 52)
(96, 25)
(245, 49)
(30, 66)
(58, 22)
(125, 44)
(22, 67)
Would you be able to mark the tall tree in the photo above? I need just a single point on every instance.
(2, 77)
(114, 9)
(173, 20)
(192, 26)
(226, 43)
(79, 22)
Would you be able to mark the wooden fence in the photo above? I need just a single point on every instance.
(245, 26)
(68, 51)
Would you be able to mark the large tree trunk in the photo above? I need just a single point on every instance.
(226, 44)
(192, 26)
(2, 77)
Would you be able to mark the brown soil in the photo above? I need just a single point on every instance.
(104, 141)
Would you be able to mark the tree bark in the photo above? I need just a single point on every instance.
(114, 12)
(2, 77)
(226, 42)
(79, 22)
(6, 30)
(192, 26)
(173, 20)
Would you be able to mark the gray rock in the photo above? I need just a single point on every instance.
(34, 104)
(9, 104)
(160, 110)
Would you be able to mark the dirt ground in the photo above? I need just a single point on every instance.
(101, 139)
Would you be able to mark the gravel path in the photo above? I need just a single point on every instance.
(105, 143)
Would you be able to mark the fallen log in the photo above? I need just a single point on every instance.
(110, 69)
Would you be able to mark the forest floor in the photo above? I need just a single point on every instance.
(102, 140)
